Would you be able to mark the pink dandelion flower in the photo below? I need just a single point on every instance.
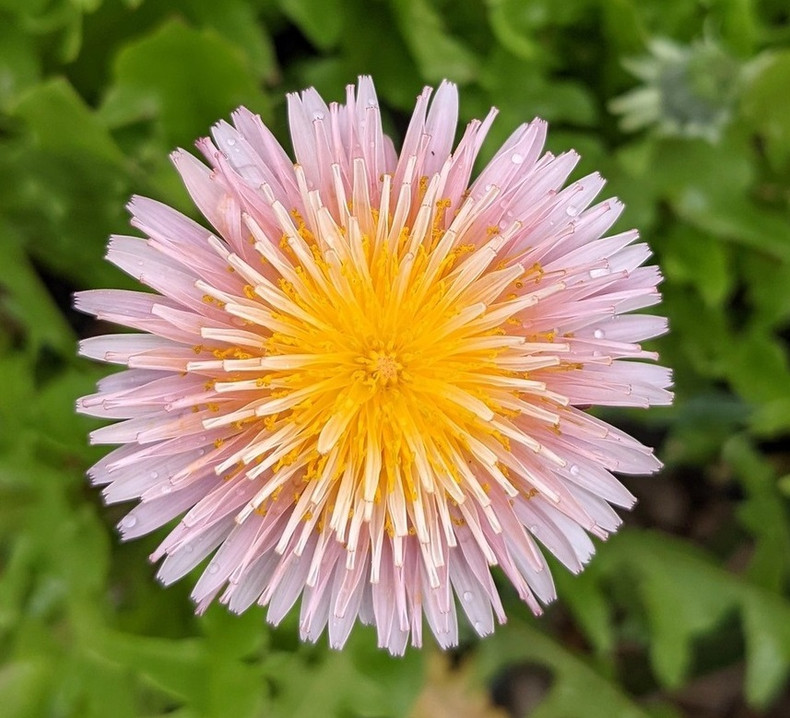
(365, 385)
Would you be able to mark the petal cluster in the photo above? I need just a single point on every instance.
(366, 384)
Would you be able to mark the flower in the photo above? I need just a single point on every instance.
(687, 90)
(366, 385)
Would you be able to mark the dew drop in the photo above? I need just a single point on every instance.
(213, 568)
(597, 354)
(571, 210)
(478, 626)
(231, 141)
(318, 115)
(372, 103)
(574, 470)
(189, 548)
(166, 489)
(468, 596)
(516, 158)
(154, 474)
(129, 521)
(488, 187)
(599, 334)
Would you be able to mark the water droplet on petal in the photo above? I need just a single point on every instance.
(468, 596)
(189, 548)
(599, 334)
(129, 521)
(154, 474)
(231, 141)
(166, 488)
(574, 470)
(516, 158)
(372, 103)
(213, 568)
(478, 626)
(318, 115)
(571, 211)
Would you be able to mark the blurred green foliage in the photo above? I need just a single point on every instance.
(683, 105)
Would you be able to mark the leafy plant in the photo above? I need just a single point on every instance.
(93, 97)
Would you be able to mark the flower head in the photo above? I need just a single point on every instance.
(687, 91)
(365, 385)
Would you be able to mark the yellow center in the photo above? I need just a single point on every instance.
(382, 367)
(387, 378)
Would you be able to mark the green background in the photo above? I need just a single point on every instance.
(684, 106)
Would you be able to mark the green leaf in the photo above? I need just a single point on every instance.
(175, 666)
(438, 54)
(704, 351)
(183, 78)
(738, 220)
(768, 283)
(758, 368)
(18, 396)
(515, 25)
(685, 594)
(23, 685)
(766, 104)
(676, 618)
(237, 22)
(701, 425)
(698, 259)
(61, 123)
(204, 675)
(231, 635)
(767, 627)
(106, 688)
(71, 184)
(26, 298)
(359, 680)
(771, 418)
(320, 20)
(763, 513)
(16, 573)
(578, 691)
(53, 412)
(588, 604)
(20, 65)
